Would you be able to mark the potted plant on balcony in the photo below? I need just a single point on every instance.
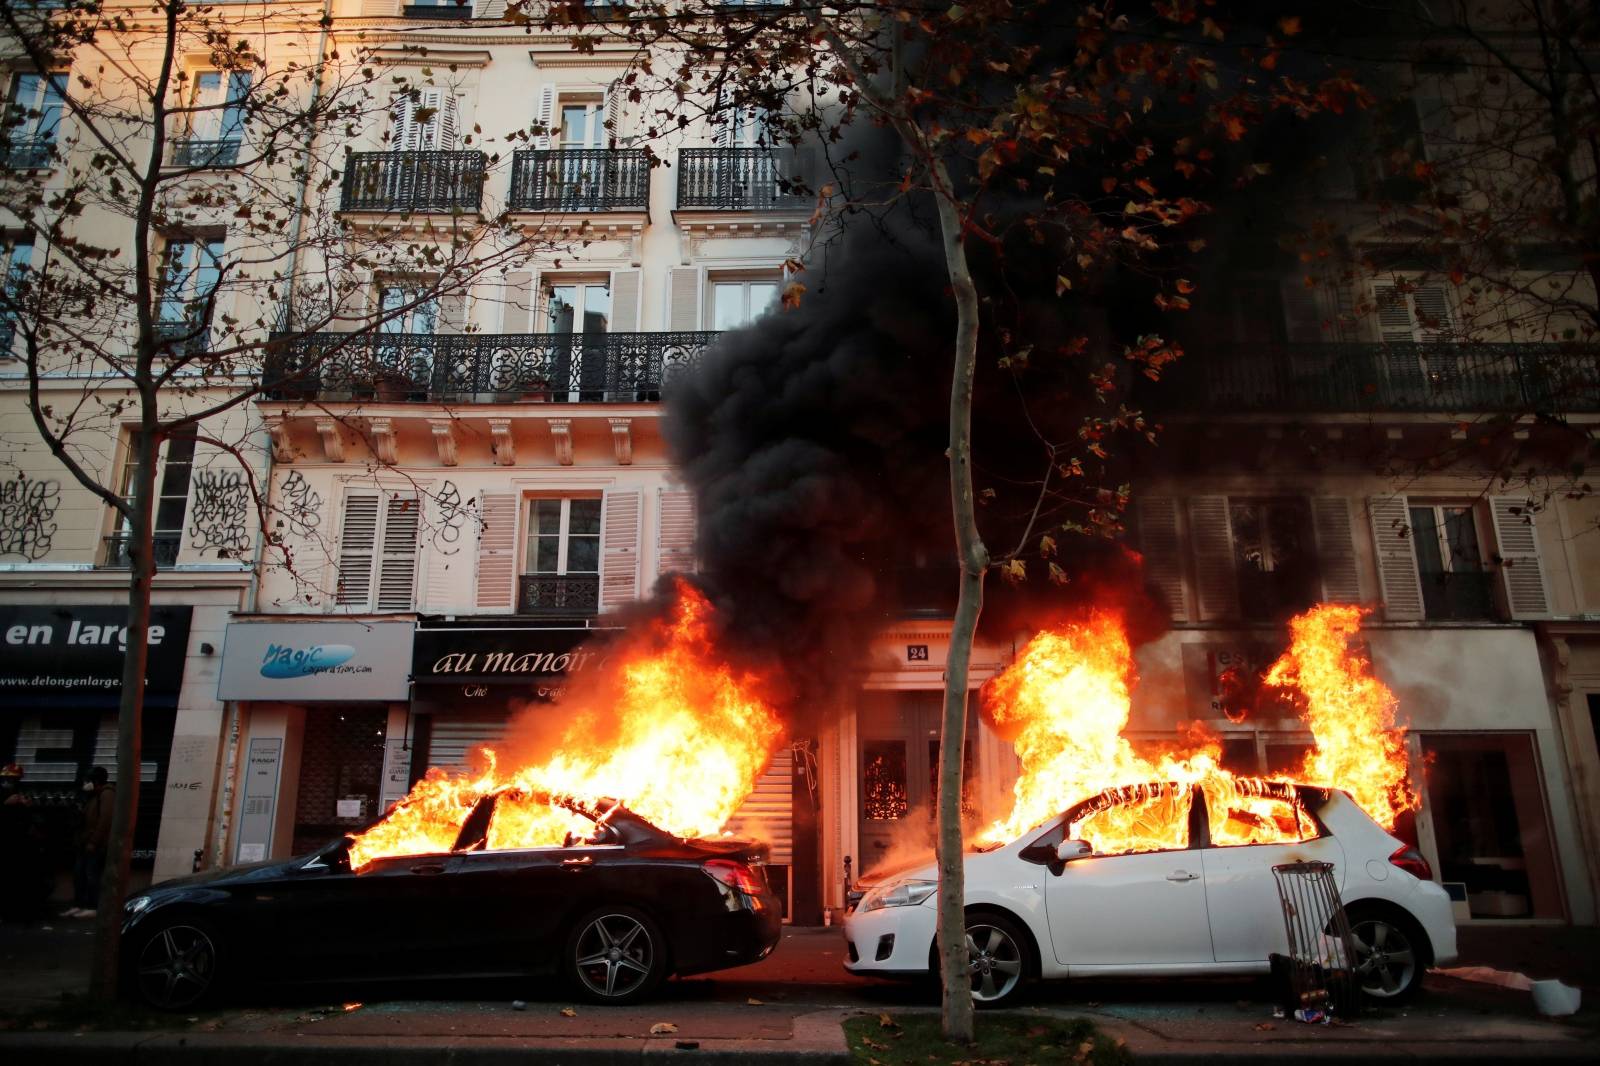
(392, 385)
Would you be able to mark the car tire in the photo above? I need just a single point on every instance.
(997, 954)
(176, 966)
(615, 955)
(1391, 954)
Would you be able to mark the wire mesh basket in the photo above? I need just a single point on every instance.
(1318, 974)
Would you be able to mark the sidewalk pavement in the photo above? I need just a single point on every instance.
(789, 1008)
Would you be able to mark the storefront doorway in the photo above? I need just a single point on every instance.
(899, 743)
(341, 773)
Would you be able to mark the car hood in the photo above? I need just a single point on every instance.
(253, 871)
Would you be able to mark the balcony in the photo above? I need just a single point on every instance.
(483, 368)
(117, 548)
(1458, 596)
(1359, 378)
(580, 180)
(413, 182)
(183, 338)
(198, 153)
(28, 154)
(566, 595)
(447, 9)
(739, 179)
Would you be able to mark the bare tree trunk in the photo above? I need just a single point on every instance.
(103, 971)
(954, 963)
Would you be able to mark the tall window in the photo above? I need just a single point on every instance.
(17, 261)
(578, 306)
(216, 125)
(405, 310)
(191, 269)
(1450, 562)
(1274, 550)
(174, 463)
(33, 119)
(738, 302)
(582, 123)
(378, 551)
(563, 536)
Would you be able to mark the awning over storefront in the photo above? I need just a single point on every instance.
(316, 661)
(72, 657)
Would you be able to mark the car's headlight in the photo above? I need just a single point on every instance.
(898, 894)
(136, 905)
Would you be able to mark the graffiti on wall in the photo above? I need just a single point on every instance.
(219, 511)
(452, 517)
(27, 516)
(301, 505)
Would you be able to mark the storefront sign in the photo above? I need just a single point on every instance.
(474, 657)
(1223, 680)
(75, 655)
(304, 661)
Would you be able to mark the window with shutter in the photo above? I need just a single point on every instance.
(358, 540)
(1336, 549)
(619, 551)
(1412, 314)
(675, 532)
(1397, 557)
(625, 301)
(1157, 518)
(544, 116)
(1521, 571)
(683, 304)
(497, 551)
(1211, 541)
(397, 562)
(1456, 585)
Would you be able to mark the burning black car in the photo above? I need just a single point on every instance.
(614, 913)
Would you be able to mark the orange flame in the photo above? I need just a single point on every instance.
(1068, 697)
(682, 739)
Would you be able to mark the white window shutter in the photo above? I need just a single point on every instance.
(497, 552)
(358, 541)
(545, 116)
(446, 122)
(683, 303)
(453, 312)
(1157, 518)
(397, 560)
(1397, 558)
(518, 297)
(1419, 316)
(404, 132)
(1336, 549)
(1517, 539)
(675, 532)
(723, 120)
(619, 550)
(613, 113)
(624, 301)
(1216, 576)
(380, 8)
(489, 9)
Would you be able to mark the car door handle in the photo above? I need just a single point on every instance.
(577, 864)
(428, 868)
(1182, 875)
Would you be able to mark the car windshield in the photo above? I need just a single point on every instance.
(525, 820)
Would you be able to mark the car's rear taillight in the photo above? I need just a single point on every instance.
(1411, 861)
(734, 874)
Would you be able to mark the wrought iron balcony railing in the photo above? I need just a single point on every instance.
(580, 179)
(483, 367)
(164, 544)
(568, 595)
(751, 179)
(184, 337)
(198, 153)
(429, 182)
(28, 154)
(1338, 378)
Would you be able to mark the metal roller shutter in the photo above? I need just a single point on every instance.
(769, 812)
(456, 737)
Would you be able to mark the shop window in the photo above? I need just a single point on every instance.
(341, 773)
(736, 302)
(174, 464)
(1456, 585)
(1487, 801)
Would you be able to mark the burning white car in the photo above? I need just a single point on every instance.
(1195, 895)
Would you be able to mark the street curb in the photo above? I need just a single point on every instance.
(818, 1040)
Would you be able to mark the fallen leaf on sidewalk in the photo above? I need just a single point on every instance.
(662, 1029)
(568, 1012)
(873, 1044)
(886, 1022)
(1263, 1027)
(752, 1001)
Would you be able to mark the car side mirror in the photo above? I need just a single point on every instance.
(1068, 850)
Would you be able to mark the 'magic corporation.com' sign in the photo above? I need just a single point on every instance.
(316, 661)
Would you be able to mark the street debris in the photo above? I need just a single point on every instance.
(519, 1004)
(1553, 999)
(568, 1012)
(753, 1002)
(662, 1029)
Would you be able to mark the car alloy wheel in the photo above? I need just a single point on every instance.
(177, 967)
(616, 955)
(1386, 959)
(995, 960)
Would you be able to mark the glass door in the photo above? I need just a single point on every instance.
(573, 309)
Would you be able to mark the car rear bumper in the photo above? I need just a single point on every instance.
(890, 941)
(1431, 906)
(732, 937)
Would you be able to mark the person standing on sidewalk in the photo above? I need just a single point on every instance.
(95, 837)
(22, 888)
